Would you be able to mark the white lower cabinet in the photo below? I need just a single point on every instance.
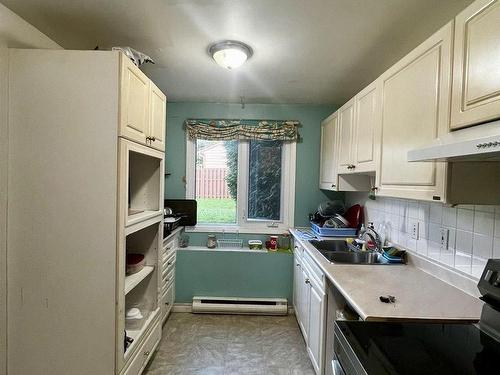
(167, 301)
(309, 304)
(142, 356)
(304, 303)
(167, 276)
(316, 326)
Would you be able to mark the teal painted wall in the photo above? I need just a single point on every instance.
(241, 274)
(232, 274)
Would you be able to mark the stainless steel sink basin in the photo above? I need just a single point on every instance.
(351, 257)
(330, 245)
(339, 251)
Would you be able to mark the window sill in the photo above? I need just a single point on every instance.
(233, 250)
(237, 230)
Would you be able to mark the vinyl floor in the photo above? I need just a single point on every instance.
(230, 344)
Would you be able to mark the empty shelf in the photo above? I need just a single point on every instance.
(133, 280)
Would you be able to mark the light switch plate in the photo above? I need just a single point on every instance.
(445, 233)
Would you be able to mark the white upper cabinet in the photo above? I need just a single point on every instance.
(346, 132)
(328, 159)
(416, 93)
(142, 107)
(359, 132)
(366, 137)
(158, 113)
(134, 102)
(476, 73)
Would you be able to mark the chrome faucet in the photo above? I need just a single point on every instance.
(374, 236)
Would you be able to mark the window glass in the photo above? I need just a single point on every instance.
(216, 181)
(264, 180)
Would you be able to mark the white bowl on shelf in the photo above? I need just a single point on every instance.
(134, 319)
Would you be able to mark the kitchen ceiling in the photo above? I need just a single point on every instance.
(312, 52)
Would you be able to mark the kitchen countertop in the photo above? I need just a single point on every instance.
(419, 295)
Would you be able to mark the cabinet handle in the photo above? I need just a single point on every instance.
(307, 281)
(298, 265)
(146, 353)
(167, 303)
(169, 263)
(152, 138)
(333, 185)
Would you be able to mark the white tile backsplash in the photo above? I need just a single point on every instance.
(450, 217)
(464, 241)
(497, 223)
(484, 223)
(465, 219)
(482, 246)
(496, 247)
(436, 213)
(474, 231)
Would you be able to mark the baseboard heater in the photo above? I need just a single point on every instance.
(237, 305)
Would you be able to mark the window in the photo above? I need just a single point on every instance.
(246, 186)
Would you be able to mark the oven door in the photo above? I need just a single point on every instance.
(345, 361)
(337, 367)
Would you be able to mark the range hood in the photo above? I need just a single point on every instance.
(480, 143)
(482, 149)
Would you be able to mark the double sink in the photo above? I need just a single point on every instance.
(339, 251)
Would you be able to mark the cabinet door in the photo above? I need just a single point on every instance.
(476, 73)
(328, 157)
(346, 130)
(316, 327)
(415, 112)
(158, 119)
(134, 102)
(366, 139)
(304, 296)
(296, 290)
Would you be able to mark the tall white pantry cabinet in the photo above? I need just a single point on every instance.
(81, 193)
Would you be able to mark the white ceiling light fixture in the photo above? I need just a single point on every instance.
(230, 54)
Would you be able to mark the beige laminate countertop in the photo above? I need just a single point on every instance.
(419, 295)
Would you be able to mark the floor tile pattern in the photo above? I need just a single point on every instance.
(230, 344)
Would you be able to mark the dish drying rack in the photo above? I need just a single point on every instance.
(230, 243)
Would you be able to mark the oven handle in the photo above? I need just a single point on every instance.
(337, 367)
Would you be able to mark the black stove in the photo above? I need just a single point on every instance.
(424, 348)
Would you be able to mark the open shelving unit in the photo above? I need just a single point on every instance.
(144, 182)
(141, 232)
(131, 281)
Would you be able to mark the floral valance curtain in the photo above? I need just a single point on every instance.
(226, 130)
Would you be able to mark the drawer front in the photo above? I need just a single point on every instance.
(315, 271)
(298, 250)
(167, 276)
(141, 358)
(167, 300)
(168, 262)
(169, 247)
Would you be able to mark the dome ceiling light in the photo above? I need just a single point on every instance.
(230, 54)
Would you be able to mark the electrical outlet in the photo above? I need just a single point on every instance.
(445, 233)
(414, 230)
